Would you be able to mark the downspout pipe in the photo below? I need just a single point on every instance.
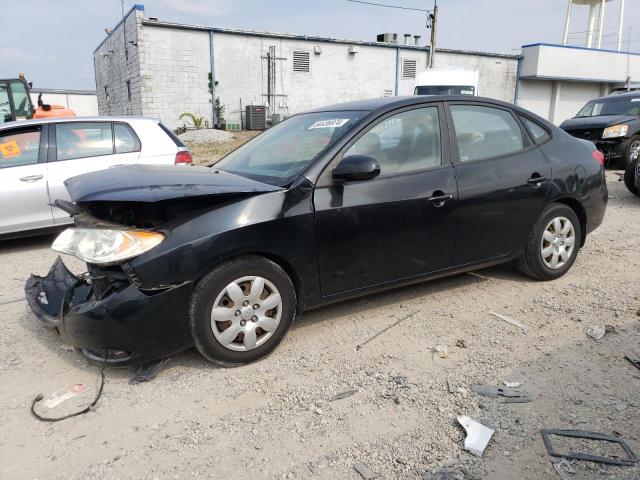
(397, 71)
(214, 115)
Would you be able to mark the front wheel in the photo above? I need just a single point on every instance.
(631, 151)
(630, 178)
(553, 244)
(242, 310)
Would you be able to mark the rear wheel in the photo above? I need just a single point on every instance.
(553, 243)
(630, 178)
(241, 310)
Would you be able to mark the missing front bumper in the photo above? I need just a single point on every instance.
(138, 325)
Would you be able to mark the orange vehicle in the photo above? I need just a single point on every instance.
(15, 103)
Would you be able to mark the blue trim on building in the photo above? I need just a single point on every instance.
(137, 6)
(578, 48)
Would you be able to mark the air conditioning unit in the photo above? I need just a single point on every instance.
(353, 49)
(256, 117)
(387, 38)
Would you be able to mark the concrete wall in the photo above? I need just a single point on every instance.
(114, 68)
(555, 100)
(82, 103)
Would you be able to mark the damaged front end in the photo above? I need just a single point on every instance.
(107, 312)
(121, 216)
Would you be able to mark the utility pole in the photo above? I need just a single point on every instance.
(432, 21)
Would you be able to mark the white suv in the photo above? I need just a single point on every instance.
(37, 156)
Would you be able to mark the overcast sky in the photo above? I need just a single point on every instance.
(52, 41)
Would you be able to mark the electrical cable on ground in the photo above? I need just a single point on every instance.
(39, 397)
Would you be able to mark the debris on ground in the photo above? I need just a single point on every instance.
(364, 471)
(511, 395)
(563, 467)
(343, 395)
(62, 395)
(512, 384)
(147, 371)
(509, 320)
(373, 337)
(633, 358)
(440, 351)
(630, 459)
(598, 331)
(461, 344)
(478, 435)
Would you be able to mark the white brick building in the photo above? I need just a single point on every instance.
(163, 69)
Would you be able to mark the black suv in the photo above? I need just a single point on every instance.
(612, 123)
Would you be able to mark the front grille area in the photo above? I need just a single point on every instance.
(591, 134)
(610, 148)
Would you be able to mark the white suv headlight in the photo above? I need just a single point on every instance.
(615, 131)
(105, 246)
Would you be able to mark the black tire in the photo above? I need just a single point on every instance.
(627, 159)
(213, 284)
(630, 178)
(531, 262)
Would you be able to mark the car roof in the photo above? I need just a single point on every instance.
(41, 121)
(615, 95)
(388, 103)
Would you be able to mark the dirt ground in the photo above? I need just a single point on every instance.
(278, 418)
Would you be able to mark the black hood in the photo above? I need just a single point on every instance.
(153, 183)
(600, 121)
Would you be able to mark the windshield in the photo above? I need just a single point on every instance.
(445, 90)
(611, 106)
(278, 155)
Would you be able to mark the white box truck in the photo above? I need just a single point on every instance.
(447, 82)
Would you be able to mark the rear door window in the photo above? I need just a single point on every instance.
(539, 133)
(19, 148)
(125, 139)
(82, 140)
(485, 132)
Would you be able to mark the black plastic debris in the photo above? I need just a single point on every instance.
(630, 460)
(633, 358)
(511, 395)
(343, 395)
(147, 371)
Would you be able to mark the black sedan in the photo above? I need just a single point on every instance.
(331, 204)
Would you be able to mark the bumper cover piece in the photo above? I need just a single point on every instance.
(146, 326)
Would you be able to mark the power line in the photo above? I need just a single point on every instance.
(390, 6)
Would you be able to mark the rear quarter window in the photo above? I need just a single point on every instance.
(537, 131)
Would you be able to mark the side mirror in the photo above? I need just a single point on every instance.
(356, 167)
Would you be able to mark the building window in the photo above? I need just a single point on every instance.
(408, 68)
(301, 62)
(129, 89)
(106, 93)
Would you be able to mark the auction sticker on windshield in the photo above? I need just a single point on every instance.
(333, 123)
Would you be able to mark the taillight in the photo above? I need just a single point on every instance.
(597, 154)
(184, 158)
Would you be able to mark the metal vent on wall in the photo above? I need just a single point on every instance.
(301, 62)
(409, 68)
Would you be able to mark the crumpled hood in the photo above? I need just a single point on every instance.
(600, 121)
(153, 183)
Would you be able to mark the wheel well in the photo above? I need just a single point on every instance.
(578, 209)
(282, 263)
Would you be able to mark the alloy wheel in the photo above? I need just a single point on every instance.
(558, 242)
(246, 313)
(634, 151)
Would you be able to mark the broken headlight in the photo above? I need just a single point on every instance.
(105, 246)
(615, 131)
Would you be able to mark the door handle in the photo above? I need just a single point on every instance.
(31, 178)
(439, 198)
(536, 180)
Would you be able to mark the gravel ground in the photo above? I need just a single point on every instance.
(209, 146)
(206, 135)
(279, 418)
